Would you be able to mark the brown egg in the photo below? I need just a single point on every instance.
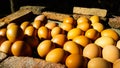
(59, 39)
(92, 51)
(98, 63)
(37, 24)
(51, 25)
(9, 25)
(6, 47)
(44, 33)
(104, 41)
(14, 33)
(110, 33)
(24, 25)
(56, 30)
(111, 53)
(40, 18)
(118, 44)
(69, 20)
(116, 64)
(20, 48)
(56, 55)
(3, 32)
(92, 34)
(44, 47)
(94, 19)
(71, 47)
(74, 61)
(84, 26)
(66, 26)
(73, 33)
(29, 31)
(81, 40)
(82, 19)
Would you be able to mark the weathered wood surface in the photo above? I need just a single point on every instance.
(18, 16)
(28, 62)
(35, 9)
(90, 11)
(114, 22)
(55, 15)
(2, 56)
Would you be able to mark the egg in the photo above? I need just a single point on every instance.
(56, 55)
(92, 34)
(84, 26)
(44, 33)
(24, 25)
(116, 64)
(118, 44)
(81, 40)
(94, 19)
(92, 51)
(10, 24)
(56, 30)
(59, 39)
(14, 33)
(82, 19)
(104, 41)
(40, 18)
(74, 61)
(44, 47)
(110, 33)
(98, 26)
(3, 32)
(20, 48)
(6, 47)
(51, 25)
(66, 26)
(74, 32)
(29, 31)
(98, 63)
(71, 47)
(36, 24)
(69, 20)
(111, 53)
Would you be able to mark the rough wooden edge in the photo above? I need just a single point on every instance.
(90, 11)
(17, 16)
(28, 62)
(55, 15)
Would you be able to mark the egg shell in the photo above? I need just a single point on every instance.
(59, 39)
(98, 63)
(44, 47)
(104, 41)
(111, 53)
(71, 47)
(20, 48)
(6, 47)
(56, 55)
(92, 51)
(74, 61)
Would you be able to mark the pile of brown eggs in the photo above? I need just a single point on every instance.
(84, 42)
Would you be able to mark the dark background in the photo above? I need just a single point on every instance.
(63, 6)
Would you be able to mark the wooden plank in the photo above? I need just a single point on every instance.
(28, 62)
(55, 15)
(90, 11)
(114, 22)
(35, 9)
(16, 17)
